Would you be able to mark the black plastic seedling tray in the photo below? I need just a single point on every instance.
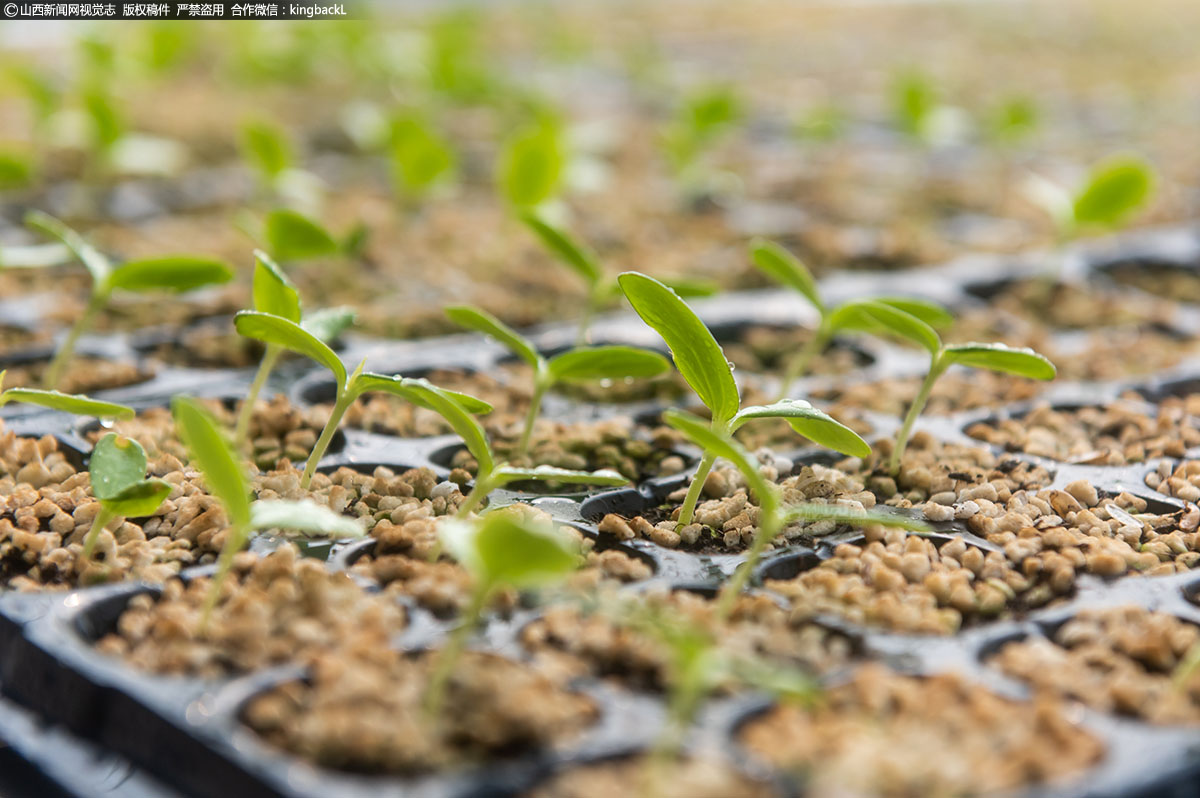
(188, 733)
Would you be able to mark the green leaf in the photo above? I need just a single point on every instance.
(420, 157)
(176, 273)
(697, 354)
(290, 335)
(76, 404)
(16, 169)
(700, 433)
(929, 312)
(459, 419)
(875, 317)
(116, 463)
(786, 269)
(1116, 188)
(274, 293)
(531, 165)
(914, 99)
(484, 322)
(370, 381)
(97, 264)
(34, 256)
(303, 516)
(544, 473)
(265, 146)
(329, 323)
(500, 550)
(571, 252)
(999, 357)
(293, 236)
(211, 453)
(107, 123)
(138, 500)
(809, 422)
(851, 516)
(691, 287)
(606, 363)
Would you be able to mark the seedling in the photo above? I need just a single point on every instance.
(274, 293)
(501, 550)
(531, 165)
(268, 150)
(76, 404)
(490, 473)
(920, 114)
(286, 334)
(420, 157)
(1117, 188)
(1012, 121)
(225, 479)
(876, 317)
(175, 273)
(773, 516)
(585, 364)
(33, 256)
(117, 470)
(702, 363)
(703, 118)
(580, 258)
(290, 236)
(783, 267)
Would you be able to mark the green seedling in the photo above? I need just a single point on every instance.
(274, 293)
(173, 273)
(491, 473)
(75, 404)
(117, 470)
(225, 478)
(16, 169)
(42, 91)
(268, 150)
(531, 165)
(286, 334)
(785, 269)
(420, 157)
(290, 236)
(703, 365)
(700, 122)
(500, 550)
(773, 515)
(1116, 189)
(585, 364)
(876, 318)
(1012, 121)
(580, 258)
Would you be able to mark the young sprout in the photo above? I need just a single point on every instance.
(175, 273)
(274, 293)
(289, 236)
(33, 256)
(1012, 121)
(919, 112)
(266, 147)
(876, 317)
(1117, 188)
(702, 363)
(117, 470)
(532, 163)
(773, 515)
(75, 404)
(785, 269)
(16, 169)
(490, 473)
(420, 157)
(702, 119)
(585, 364)
(580, 258)
(284, 333)
(225, 478)
(500, 550)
